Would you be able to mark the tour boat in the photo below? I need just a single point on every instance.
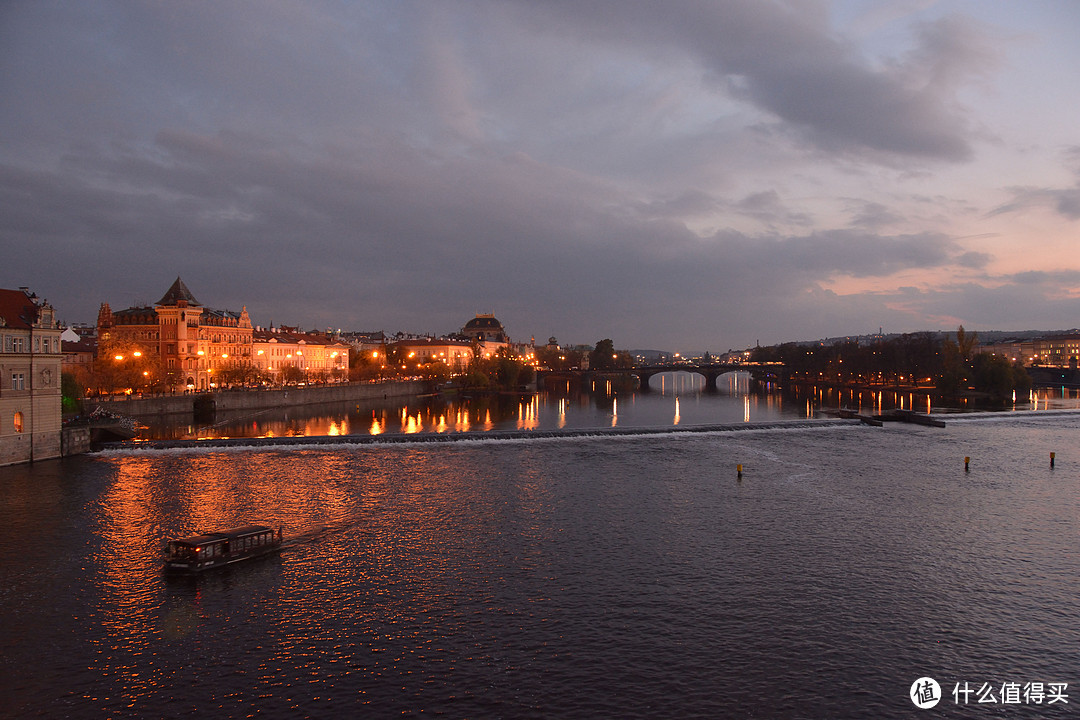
(216, 549)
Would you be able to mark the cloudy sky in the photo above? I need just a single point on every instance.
(686, 174)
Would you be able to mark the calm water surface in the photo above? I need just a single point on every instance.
(630, 577)
(674, 400)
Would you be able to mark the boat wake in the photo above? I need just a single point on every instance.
(313, 534)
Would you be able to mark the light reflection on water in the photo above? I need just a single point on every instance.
(674, 399)
(615, 577)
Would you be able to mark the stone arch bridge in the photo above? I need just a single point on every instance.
(710, 371)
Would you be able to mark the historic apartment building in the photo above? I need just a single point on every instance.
(192, 344)
(312, 356)
(456, 354)
(30, 414)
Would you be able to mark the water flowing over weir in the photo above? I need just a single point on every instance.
(491, 435)
(624, 574)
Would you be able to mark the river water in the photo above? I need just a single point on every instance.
(675, 400)
(559, 577)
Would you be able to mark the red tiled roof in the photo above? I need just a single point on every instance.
(282, 336)
(17, 309)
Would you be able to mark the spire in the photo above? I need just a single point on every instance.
(178, 293)
(105, 316)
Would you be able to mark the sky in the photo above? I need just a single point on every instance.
(683, 175)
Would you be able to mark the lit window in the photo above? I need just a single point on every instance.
(18, 422)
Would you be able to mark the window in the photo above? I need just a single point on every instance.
(18, 422)
(18, 345)
(18, 382)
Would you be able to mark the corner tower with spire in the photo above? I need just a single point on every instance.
(196, 347)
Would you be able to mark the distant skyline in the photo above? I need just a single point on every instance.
(690, 175)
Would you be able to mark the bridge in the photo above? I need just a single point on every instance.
(710, 371)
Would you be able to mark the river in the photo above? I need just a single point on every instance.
(674, 400)
(560, 577)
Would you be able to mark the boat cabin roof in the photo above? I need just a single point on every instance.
(208, 538)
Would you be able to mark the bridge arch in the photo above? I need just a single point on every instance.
(709, 372)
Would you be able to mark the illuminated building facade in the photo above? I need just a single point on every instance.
(314, 357)
(1061, 351)
(30, 413)
(193, 345)
(456, 354)
(1058, 350)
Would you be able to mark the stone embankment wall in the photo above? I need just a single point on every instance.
(225, 400)
(1054, 377)
(75, 440)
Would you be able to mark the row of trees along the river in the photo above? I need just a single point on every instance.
(947, 364)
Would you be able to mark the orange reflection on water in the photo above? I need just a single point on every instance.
(529, 414)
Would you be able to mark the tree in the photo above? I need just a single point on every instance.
(992, 374)
(555, 358)
(71, 391)
(603, 356)
(966, 343)
(125, 367)
(290, 375)
(952, 376)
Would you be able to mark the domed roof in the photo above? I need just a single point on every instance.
(483, 322)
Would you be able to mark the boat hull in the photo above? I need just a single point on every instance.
(220, 549)
(181, 566)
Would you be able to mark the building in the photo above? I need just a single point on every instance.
(192, 347)
(79, 350)
(455, 354)
(1058, 350)
(487, 333)
(1021, 351)
(287, 355)
(30, 413)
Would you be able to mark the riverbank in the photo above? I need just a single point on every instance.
(253, 399)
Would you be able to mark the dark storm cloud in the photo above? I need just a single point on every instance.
(784, 58)
(415, 243)
(403, 165)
